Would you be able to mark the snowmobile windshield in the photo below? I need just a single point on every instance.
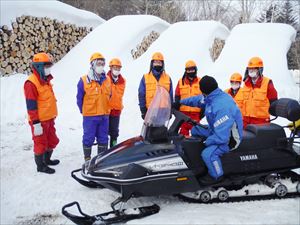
(159, 111)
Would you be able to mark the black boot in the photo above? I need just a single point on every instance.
(113, 142)
(87, 152)
(48, 161)
(102, 148)
(41, 166)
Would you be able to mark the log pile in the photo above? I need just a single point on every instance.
(30, 35)
(144, 45)
(216, 49)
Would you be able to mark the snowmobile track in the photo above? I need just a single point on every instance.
(239, 199)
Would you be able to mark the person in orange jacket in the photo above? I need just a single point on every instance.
(258, 93)
(156, 76)
(235, 91)
(188, 86)
(118, 84)
(93, 101)
(42, 111)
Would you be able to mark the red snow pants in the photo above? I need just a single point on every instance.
(48, 140)
(186, 127)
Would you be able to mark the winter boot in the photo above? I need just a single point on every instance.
(47, 160)
(113, 142)
(41, 166)
(102, 148)
(87, 152)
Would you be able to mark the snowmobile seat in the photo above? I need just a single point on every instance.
(261, 136)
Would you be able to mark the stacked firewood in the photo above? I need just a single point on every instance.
(216, 48)
(144, 45)
(30, 35)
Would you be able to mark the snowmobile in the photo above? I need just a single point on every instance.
(162, 162)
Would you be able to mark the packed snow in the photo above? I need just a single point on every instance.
(28, 197)
(53, 9)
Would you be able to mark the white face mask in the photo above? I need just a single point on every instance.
(116, 72)
(252, 74)
(235, 86)
(47, 71)
(99, 69)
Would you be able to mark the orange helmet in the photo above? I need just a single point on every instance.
(96, 55)
(190, 63)
(236, 77)
(255, 62)
(158, 56)
(42, 57)
(115, 62)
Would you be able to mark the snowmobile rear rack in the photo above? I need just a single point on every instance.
(89, 184)
(111, 217)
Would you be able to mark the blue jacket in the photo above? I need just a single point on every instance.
(223, 116)
(142, 90)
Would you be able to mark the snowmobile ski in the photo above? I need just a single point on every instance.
(111, 217)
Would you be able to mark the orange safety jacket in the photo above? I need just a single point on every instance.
(117, 93)
(96, 99)
(238, 97)
(256, 102)
(186, 91)
(46, 101)
(151, 83)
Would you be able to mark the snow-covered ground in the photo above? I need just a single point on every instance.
(53, 9)
(28, 197)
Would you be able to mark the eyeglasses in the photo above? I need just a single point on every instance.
(100, 62)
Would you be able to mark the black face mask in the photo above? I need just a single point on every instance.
(192, 75)
(158, 68)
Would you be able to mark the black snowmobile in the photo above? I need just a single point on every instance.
(162, 162)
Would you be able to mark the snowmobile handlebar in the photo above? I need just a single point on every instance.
(180, 118)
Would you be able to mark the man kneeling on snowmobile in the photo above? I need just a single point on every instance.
(225, 126)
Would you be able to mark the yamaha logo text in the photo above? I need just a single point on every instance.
(248, 157)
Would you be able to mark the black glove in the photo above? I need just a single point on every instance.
(143, 112)
(176, 105)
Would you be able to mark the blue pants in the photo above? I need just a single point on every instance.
(211, 156)
(95, 127)
(114, 127)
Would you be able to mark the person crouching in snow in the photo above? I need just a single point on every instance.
(225, 126)
(42, 111)
(188, 86)
(93, 96)
(235, 91)
(116, 103)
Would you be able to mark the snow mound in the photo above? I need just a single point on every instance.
(115, 38)
(10, 10)
(270, 42)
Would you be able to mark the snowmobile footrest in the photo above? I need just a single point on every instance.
(112, 217)
(89, 184)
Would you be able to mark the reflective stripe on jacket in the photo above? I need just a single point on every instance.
(96, 98)
(46, 101)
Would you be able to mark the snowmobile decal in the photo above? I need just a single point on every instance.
(248, 157)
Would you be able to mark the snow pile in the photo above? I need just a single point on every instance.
(115, 38)
(53, 9)
(270, 42)
(180, 42)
